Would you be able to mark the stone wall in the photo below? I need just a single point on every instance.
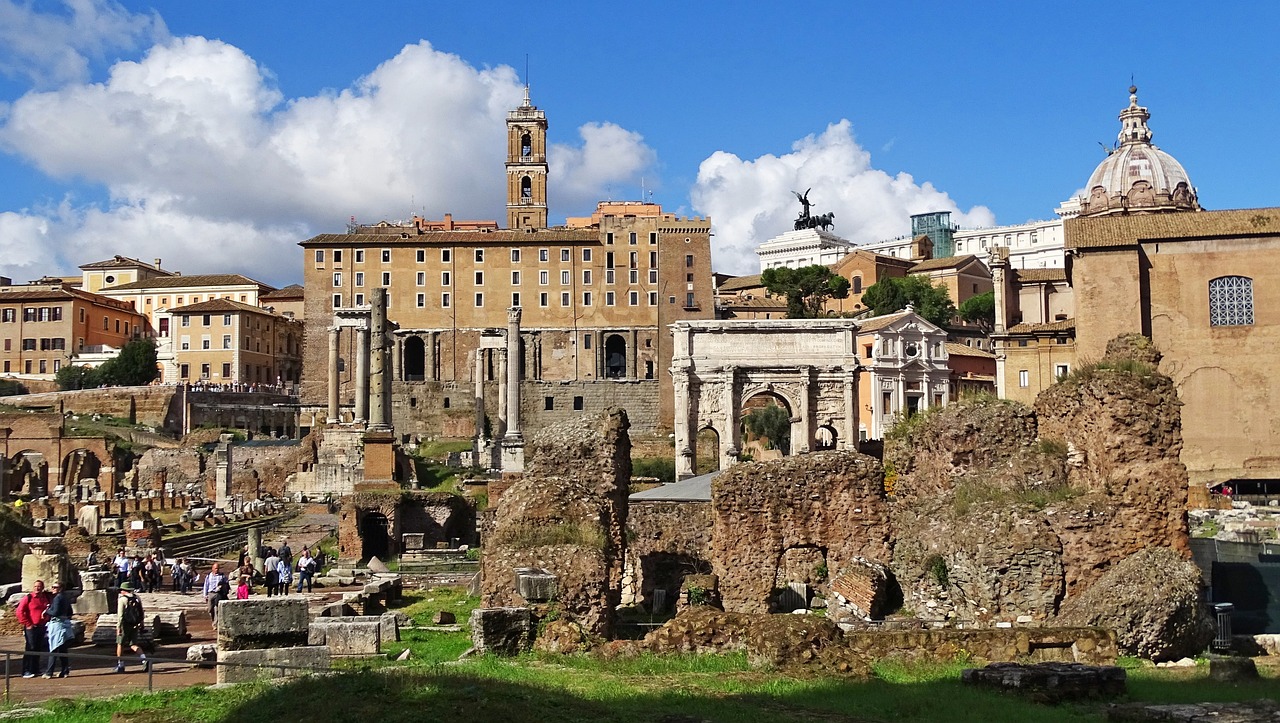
(438, 516)
(566, 516)
(790, 520)
(665, 541)
(257, 469)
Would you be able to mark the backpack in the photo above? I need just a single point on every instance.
(224, 588)
(132, 615)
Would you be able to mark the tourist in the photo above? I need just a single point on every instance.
(216, 589)
(285, 576)
(31, 614)
(121, 565)
(150, 574)
(135, 573)
(188, 576)
(129, 626)
(58, 617)
(242, 590)
(286, 553)
(306, 569)
(244, 557)
(271, 570)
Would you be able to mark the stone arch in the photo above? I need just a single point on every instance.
(661, 575)
(29, 470)
(415, 359)
(752, 402)
(80, 464)
(706, 450)
(526, 145)
(826, 438)
(615, 357)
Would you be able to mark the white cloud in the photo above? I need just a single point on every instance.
(50, 48)
(611, 159)
(207, 165)
(751, 201)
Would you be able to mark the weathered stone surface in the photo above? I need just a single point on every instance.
(96, 580)
(1254, 711)
(90, 602)
(345, 637)
(1152, 600)
(788, 520)
(572, 526)
(443, 617)
(258, 664)
(170, 624)
(104, 631)
(204, 654)
(1050, 682)
(666, 541)
(1234, 669)
(562, 636)
(861, 589)
(501, 631)
(536, 585)
(261, 623)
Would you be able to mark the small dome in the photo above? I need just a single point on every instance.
(1137, 177)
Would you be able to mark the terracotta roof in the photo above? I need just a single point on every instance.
(755, 302)
(292, 291)
(123, 262)
(742, 282)
(62, 294)
(957, 349)
(948, 262)
(455, 238)
(219, 306)
(878, 258)
(876, 323)
(201, 280)
(1029, 276)
(1114, 231)
(1026, 328)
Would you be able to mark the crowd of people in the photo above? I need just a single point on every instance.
(45, 615)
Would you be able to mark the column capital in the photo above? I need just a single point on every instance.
(513, 315)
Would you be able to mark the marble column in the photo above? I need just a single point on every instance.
(362, 375)
(852, 412)
(729, 445)
(379, 366)
(501, 428)
(477, 380)
(685, 463)
(513, 440)
(333, 375)
(806, 413)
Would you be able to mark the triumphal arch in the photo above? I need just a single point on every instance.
(809, 366)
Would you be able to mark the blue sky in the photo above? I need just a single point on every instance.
(218, 135)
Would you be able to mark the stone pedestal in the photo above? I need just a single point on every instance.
(47, 561)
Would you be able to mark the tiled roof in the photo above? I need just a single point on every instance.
(1028, 276)
(62, 294)
(957, 349)
(123, 262)
(1113, 231)
(1026, 328)
(742, 282)
(198, 280)
(454, 238)
(292, 291)
(949, 262)
(876, 323)
(219, 306)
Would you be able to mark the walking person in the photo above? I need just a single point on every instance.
(30, 613)
(129, 626)
(285, 576)
(58, 625)
(286, 553)
(306, 569)
(121, 566)
(188, 575)
(216, 589)
(271, 570)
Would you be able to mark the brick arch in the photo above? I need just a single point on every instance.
(42, 434)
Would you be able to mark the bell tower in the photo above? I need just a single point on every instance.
(526, 166)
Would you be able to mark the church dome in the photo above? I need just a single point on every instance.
(1137, 177)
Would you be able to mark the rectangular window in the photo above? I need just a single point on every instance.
(586, 254)
(608, 260)
(359, 278)
(564, 298)
(337, 279)
(608, 276)
(608, 298)
(634, 298)
(479, 256)
(653, 237)
(586, 299)
(421, 256)
(445, 278)
(337, 300)
(631, 239)
(688, 301)
(206, 342)
(542, 299)
(28, 344)
(44, 365)
(479, 300)
(445, 256)
(886, 403)
(184, 371)
(608, 238)
(226, 320)
(337, 256)
(578, 404)
(515, 256)
(386, 256)
(8, 315)
(544, 277)
(386, 278)
(204, 370)
(564, 254)
(688, 261)
(359, 300)
(421, 301)
(1024, 378)
(319, 257)
(633, 261)
(653, 259)
(548, 404)
(359, 258)
(515, 298)
(226, 341)
(586, 341)
(226, 370)
(634, 276)
(1060, 371)
(421, 278)
(564, 278)
(479, 278)
(543, 254)
(586, 276)
(444, 300)
(653, 276)
(515, 278)
(206, 320)
(653, 298)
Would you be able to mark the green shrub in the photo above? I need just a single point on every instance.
(662, 468)
(524, 537)
(936, 568)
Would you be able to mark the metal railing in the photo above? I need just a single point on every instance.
(149, 667)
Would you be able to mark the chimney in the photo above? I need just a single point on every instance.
(448, 222)
(157, 264)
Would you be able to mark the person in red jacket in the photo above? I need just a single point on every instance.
(31, 614)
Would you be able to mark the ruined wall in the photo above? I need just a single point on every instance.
(152, 406)
(257, 468)
(665, 540)
(775, 522)
(567, 515)
(178, 467)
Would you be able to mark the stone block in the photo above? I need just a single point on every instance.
(54, 527)
(94, 601)
(1232, 669)
(104, 632)
(412, 540)
(261, 623)
(347, 637)
(170, 624)
(203, 654)
(100, 580)
(501, 631)
(111, 525)
(270, 663)
(537, 585)
(9, 589)
(443, 617)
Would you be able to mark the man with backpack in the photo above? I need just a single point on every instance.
(129, 626)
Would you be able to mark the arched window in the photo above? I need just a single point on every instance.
(857, 284)
(526, 188)
(1231, 301)
(526, 146)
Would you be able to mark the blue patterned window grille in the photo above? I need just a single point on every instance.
(1231, 301)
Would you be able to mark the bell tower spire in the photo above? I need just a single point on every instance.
(526, 166)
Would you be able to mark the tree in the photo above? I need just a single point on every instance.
(771, 422)
(894, 294)
(135, 365)
(980, 310)
(9, 387)
(806, 288)
(75, 376)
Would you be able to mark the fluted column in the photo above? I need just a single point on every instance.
(379, 367)
(513, 374)
(806, 412)
(503, 381)
(332, 417)
(362, 375)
